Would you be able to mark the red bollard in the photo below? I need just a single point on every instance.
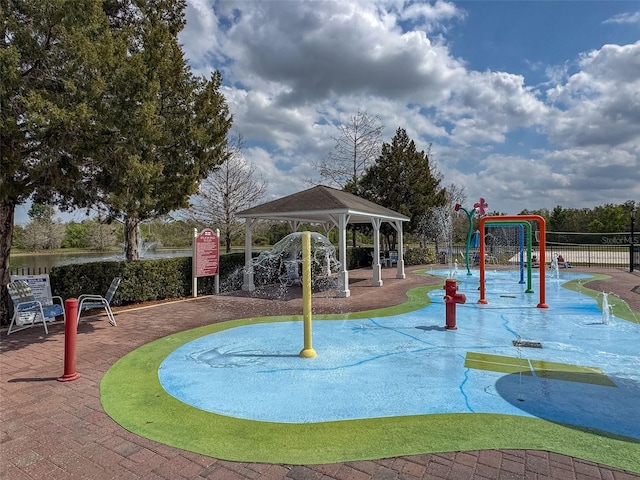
(450, 299)
(70, 330)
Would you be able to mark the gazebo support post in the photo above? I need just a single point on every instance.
(375, 261)
(247, 281)
(400, 271)
(343, 288)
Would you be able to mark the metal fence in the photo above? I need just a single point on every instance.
(603, 256)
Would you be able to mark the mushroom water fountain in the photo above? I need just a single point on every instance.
(283, 263)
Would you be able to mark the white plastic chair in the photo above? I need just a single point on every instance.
(27, 310)
(94, 302)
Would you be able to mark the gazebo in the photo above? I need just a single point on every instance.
(329, 208)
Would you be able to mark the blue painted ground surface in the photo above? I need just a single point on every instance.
(409, 365)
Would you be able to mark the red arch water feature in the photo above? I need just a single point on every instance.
(513, 218)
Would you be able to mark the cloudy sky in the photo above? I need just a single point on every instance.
(529, 104)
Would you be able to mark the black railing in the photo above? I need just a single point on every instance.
(591, 255)
(579, 255)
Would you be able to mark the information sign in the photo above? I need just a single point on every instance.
(207, 253)
(40, 286)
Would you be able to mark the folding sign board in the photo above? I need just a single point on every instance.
(41, 289)
(40, 286)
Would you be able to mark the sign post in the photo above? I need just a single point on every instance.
(206, 257)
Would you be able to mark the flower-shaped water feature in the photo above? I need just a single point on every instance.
(479, 207)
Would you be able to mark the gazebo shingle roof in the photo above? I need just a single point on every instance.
(321, 204)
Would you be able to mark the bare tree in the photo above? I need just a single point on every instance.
(42, 234)
(357, 146)
(231, 188)
(101, 236)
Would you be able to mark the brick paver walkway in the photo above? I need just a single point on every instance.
(51, 430)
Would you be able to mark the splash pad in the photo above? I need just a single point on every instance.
(409, 365)
(132, 384)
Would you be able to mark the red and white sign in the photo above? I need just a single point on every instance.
(206, 253)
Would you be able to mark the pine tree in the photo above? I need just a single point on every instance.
(99, 107)
(50, 53)
(403, 180)
(164, 128)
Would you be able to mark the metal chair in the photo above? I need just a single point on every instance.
(93, 302)
(27, 310)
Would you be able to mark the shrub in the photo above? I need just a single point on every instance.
(359, 257)
(142, 281)
(419, 256)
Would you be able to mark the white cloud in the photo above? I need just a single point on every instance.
(304, 53)
(295, 69)
(431, 16)
(291, 180)
(600, 105)
(630, 17)
(487, 105)
(200, 38)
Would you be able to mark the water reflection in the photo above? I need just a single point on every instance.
(46, 261)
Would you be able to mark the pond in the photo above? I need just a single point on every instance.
(43, 262)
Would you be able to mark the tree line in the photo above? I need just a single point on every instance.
(44, 232)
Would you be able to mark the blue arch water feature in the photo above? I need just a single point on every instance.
(563, 364)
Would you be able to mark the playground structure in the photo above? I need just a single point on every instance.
(452, 298)
(522, 221)
(511, 219)
(522, 226)
(470, 214)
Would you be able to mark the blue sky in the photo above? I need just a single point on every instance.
(527, 104)
(524, 37)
